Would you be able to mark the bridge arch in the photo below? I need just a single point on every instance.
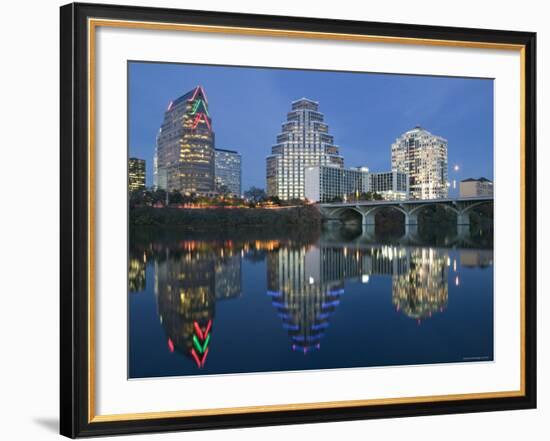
(338, 212)
(371, 211)
(469, 207)
(415, 211)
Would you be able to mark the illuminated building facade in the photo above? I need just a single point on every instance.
(184, 156)
(228, 171)
(325, 183)
(423, 157)
(136, 174)
(303, 142)
(470, 187)
(393, 185)
(328, 183)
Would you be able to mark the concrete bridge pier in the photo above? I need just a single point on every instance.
(368, 225)
(367, 233)
(411, 224)
(463, 219)
(463, 224)
(368, 218)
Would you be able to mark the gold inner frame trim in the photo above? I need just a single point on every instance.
(92, 25)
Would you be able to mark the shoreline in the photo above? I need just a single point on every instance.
(225, 217)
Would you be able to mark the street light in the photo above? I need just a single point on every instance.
(456, 169)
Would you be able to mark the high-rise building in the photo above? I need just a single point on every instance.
(476, 187)
(185, 146)
(136, 174)
(393, 185)
(423, 157)
(228, 171)
(303, 142)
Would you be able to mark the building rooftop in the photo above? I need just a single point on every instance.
(192, 94)
(226, 151)
(305, 103)
(304, 99)
(482, 179)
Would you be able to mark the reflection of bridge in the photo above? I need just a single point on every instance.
(410, 209)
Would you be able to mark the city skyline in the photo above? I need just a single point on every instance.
(459, 109)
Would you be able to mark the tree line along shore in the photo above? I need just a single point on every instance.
(198, 218)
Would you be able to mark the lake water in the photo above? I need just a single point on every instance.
(257, 301)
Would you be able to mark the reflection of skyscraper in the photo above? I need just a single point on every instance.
(186, 294)
(136, 273)
(303, 142)
(228, 277)
(187, 284)
(184, 157)
(306, 283)
(424, 289)
(304, 302)
(423, 157)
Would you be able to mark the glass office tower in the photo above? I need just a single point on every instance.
(136, 174)
(184, 158)
(303, 142)
(228, 171)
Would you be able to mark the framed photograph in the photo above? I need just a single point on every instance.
(273, 220)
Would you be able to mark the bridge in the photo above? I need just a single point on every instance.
(410, 209)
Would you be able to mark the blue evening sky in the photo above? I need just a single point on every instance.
(365, 112)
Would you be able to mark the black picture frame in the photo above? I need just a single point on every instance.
(75, 415)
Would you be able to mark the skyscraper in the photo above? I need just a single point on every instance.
(423, 157)
(136, 174)
(303, 142)
(184, 157)
(228, 171)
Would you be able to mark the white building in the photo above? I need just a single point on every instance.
(303, 142)
(330, 183)
(470, 187)
(423, 156)
(391, 185)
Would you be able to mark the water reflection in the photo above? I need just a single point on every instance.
(423, 288)
(189, 279)
(306, 279)
(136, 273)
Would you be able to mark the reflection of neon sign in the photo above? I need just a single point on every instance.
(201, 339)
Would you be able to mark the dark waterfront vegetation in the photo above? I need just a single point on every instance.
(226, 217)
(274, 298)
